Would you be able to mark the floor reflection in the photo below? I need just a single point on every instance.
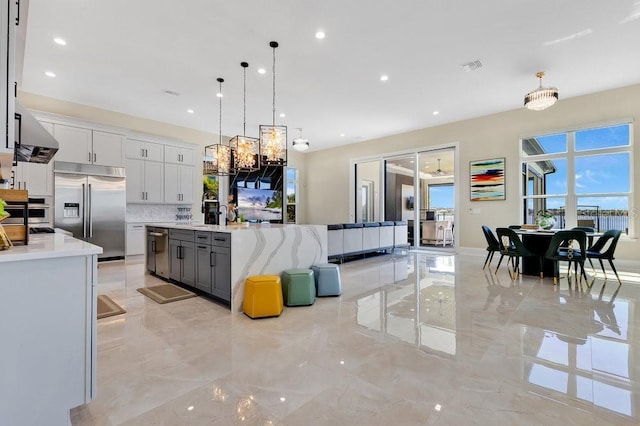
(587, 358)
(419, 307)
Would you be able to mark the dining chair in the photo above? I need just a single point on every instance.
(492, 245)
(562, 248)
(597, 251)
(512, 246)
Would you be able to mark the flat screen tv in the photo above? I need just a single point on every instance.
(259, 204)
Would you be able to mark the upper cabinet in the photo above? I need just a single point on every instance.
(178, 155)
(86, 146)
(8, 23)
(143, 150)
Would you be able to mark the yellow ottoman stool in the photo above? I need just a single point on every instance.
(262, 296)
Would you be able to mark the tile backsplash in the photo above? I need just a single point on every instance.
(158, 213)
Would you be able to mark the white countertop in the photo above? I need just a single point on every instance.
(49, 246)
(224, 228)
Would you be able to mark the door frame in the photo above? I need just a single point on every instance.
(353, 187)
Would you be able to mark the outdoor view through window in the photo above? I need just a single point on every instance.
(580, 178)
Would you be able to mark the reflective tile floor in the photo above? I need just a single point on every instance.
(415, 339)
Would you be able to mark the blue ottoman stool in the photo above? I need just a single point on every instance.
(298, 287)
(327, 276)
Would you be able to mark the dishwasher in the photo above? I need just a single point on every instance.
(158, 251)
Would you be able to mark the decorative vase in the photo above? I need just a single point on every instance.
(546, 222)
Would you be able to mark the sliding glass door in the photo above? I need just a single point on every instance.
(417, 187)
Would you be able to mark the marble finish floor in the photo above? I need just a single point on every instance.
(415, 339)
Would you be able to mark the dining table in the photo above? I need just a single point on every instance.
(538, 241)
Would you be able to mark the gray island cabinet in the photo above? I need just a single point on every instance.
(216, 259)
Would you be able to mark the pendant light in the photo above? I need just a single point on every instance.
(273, 139)
(218, 157)
(542, 97)
(246, 150)
(300, 143)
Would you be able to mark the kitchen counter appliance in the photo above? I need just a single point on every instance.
(90, 202)
(158, 251)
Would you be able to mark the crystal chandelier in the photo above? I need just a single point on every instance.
(542, 97)
(300, 143)
(246, 149)
(218, 157)
(273, 139)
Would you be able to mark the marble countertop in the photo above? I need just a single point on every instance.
(224, 228)
(49, 246)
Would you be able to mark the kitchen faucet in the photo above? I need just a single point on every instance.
(226, 211)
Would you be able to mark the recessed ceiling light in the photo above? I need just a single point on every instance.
(320, 35)
(60, 41)
(220, 95)
(384, 77)
(342, 135)
(283, 115)
(50, 74)
(190, 111)
(261, 71)
(435, 112)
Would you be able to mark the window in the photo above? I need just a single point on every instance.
(582, 177)
(292, 195)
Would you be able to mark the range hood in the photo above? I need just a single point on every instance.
(36, 145)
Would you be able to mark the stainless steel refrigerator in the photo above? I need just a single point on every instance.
(90, 202)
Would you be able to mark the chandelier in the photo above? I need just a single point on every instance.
(273, 139)
(246, 149)
(300, 143)
(218, 157)
(542, 97)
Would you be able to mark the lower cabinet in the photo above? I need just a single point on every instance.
(182, 255)
(213, 264)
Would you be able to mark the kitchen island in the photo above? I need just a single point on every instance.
(217, 258)
(47, 329)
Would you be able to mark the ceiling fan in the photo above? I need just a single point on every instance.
(439, 172)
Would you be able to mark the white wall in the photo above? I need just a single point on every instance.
(490, 136)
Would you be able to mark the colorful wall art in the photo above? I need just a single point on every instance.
(487, 179)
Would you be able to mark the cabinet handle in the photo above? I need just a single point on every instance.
(219, 239)
(141, 152)
(142, 196)
(201, 237)
(25, 184)
(89, 156)
(212, 259)
(18, 12)
(202, 247)
(153, 246)
(146, 153)
(95, 157)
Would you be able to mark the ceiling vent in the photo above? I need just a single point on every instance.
(472, 66)
(171, 92)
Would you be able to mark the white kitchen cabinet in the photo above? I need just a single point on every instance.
(178, 184)
(136, 239)
(8, 22)
(178, 155)
(107, 148)
(144, 181)
(86, 146)
(35, 178)
(142, 150)
(75, 144)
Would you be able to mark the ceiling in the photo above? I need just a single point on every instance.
(122, 55)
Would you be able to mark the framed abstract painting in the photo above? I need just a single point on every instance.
(487, 179)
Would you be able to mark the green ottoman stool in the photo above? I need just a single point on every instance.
(298, 287)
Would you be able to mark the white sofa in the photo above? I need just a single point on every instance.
(352, 239)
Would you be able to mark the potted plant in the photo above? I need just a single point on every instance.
(545, 220)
